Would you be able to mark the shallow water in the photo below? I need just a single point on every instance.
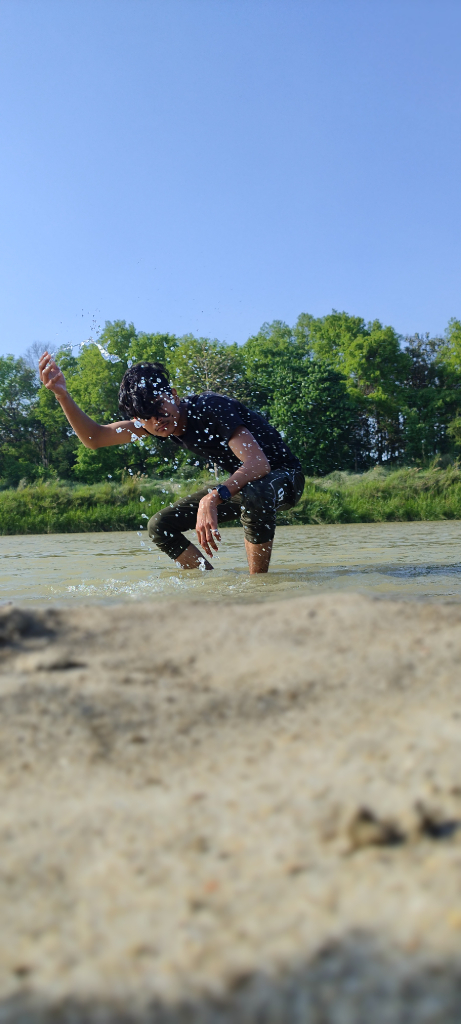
(396, 560)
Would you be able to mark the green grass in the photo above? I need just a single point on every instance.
(377, 496)
(380, 496)
(79, 508)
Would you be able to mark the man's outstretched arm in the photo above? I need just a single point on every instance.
(91, 434)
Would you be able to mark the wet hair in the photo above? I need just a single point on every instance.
(142, 389)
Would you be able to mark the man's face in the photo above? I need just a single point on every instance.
(167, 418)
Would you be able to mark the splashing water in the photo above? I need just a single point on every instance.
(108, 356)
(105, 354)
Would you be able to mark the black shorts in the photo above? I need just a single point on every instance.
(256, 506)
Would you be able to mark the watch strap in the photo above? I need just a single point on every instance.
(224, 492)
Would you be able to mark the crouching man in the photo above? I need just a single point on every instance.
(263, 474)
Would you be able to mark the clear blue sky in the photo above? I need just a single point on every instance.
(206, 165)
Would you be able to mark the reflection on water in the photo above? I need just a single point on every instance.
(405, 560)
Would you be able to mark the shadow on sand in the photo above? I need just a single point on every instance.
(352, 981)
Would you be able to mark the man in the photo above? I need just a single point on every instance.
(263, 474)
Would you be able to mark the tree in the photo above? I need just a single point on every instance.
(304, 397)
(345, 394)
(374, 366)
(430, 399)
(154, 348)
(205, 364)
(449, 369)
(450, 346)
(19, 445)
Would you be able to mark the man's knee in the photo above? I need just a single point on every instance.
(258, 512)
(165, 535)
(159, 530)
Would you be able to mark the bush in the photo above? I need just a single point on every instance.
(67, 508)
(377, 496)
(380, 496)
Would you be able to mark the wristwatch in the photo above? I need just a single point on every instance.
(224, 492)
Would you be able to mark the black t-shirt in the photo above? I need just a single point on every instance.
(212, 420)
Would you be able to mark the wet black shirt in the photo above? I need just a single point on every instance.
(212, 420)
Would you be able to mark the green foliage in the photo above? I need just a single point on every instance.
(205, 364)
(454, 430)
(375, 367)
(304, 397)
(64, 508)
(20, 442)
(450, 347)
(430, 399)
(345, 394)
(379, 495)
(154, 348)
(58, 443)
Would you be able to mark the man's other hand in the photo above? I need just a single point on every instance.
(207, 523)
(51, 376)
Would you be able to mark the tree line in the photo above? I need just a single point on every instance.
(345, 394)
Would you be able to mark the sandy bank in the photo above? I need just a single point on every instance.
(231, 814)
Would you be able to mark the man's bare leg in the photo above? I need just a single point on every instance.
(192, 558)
(259, 556)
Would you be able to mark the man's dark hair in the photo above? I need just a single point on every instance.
(141, 390)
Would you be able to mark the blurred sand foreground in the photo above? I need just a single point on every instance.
(231, 813)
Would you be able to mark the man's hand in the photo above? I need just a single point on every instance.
(207, 523)
(51, 376)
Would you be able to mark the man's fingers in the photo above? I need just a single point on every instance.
(204, 541)
(42, 364)
(207, 529)
(50, 372)
(211, 538)
(201, 537)
(47, 367)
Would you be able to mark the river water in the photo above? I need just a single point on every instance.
(395, 560)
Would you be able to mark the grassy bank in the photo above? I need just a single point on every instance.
(80, 508)
(380, 496)
(377, 496)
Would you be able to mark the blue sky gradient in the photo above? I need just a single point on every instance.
(207, 165)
